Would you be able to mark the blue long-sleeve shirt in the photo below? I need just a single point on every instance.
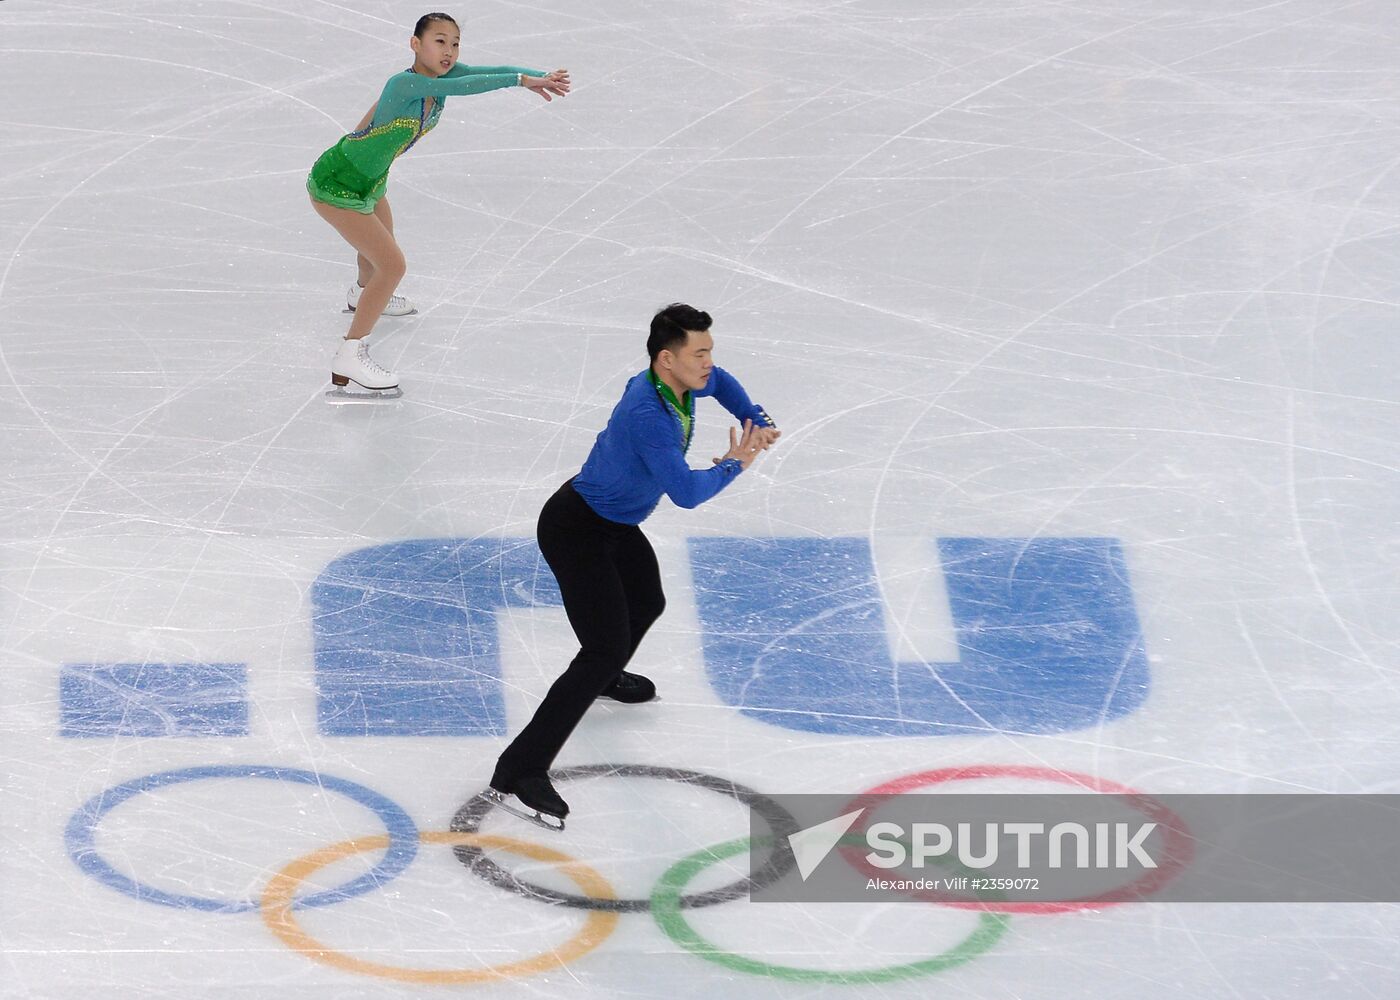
(640, 454)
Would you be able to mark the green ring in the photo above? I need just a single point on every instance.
(665, 906)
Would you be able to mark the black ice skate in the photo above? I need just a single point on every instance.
(630, 689)
(535, 793)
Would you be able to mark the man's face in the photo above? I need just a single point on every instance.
(690, 363)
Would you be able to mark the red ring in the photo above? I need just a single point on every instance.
(1177, 841)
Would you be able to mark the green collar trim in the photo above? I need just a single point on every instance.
(682, 409)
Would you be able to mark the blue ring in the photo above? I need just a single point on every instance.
(80, 835)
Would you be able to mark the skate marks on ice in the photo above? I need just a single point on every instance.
(1063, 265)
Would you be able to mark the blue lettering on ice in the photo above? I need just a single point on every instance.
(153, 699)
(793, 631)
(405, 635)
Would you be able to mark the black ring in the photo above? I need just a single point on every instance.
(780, 860)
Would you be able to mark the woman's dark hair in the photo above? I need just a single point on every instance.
(669, 327)
(426, 21)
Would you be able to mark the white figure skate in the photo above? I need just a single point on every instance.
(398, 305)
(352, 363)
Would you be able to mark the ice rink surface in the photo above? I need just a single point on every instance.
(1079, 320)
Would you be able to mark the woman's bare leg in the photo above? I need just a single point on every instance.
(384, 215)
(373, 242)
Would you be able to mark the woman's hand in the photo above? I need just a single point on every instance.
(556, 83)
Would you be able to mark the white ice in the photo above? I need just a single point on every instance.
(1114, 269)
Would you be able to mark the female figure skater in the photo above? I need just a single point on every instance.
(348, 180)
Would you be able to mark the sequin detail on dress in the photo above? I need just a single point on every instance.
(354, 172)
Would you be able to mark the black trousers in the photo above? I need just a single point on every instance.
(611, 586)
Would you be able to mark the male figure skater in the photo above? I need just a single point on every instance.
(606, 568)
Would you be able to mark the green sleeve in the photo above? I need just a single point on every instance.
(403, 91)
(411, 86)
(462, 70)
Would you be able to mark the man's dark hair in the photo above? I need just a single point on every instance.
(426, 21)
(670, 325)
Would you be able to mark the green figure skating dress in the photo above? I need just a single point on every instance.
(355, 171)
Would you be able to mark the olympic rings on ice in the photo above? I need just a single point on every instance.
(667, 902)
(277, 906)
(81, 835)
(780, 822)
(666, 909)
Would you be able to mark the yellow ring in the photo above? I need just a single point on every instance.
(280, 893)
